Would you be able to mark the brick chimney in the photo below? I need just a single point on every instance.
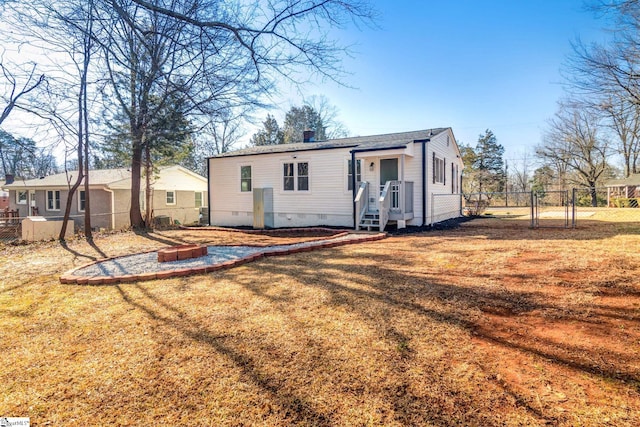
(308, 136)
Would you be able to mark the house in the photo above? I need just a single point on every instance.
(409, 178)
(4, 197)
(624, 193)
(177, 193)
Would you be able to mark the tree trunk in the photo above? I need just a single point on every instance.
(594, 195)
(148, 200)
(137, 222)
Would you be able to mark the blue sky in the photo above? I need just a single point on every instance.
(471, 65)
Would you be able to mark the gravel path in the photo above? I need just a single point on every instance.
(148, 262)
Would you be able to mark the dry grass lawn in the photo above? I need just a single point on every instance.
(487, 324)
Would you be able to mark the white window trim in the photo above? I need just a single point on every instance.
(439, 178)
(26, 197)
(250, 165)
(166, 197)
(201, 199)
(54, 209)
(348, 172)
(295, 176)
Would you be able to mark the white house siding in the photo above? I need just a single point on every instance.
(442, 203)
(328, 202)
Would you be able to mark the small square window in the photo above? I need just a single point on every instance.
(171, 197)
(21, 197)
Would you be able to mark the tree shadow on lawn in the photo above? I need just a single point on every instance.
(76, 254)
(157, 237)
(295, 406)
(378, 288)
(399, 288)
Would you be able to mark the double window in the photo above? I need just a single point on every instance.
(295, 176)
(53, 200)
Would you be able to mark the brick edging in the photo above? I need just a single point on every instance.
(69, 279)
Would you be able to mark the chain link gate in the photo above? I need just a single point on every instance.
(553, 209)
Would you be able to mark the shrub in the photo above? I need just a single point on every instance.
(623, 202)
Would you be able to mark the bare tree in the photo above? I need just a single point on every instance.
(573, 142)
(606, 78)
(623, 118)
(329, 116)
(18, 82)
(521, 173)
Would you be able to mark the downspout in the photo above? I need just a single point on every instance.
(209, 191)
(353, 188)
(424, 180)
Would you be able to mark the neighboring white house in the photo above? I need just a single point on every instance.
(178, 194)
(411, 178)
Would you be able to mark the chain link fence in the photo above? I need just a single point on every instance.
(11, 223)
(549, 209)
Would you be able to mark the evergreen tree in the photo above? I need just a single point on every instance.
(299, 119)
(489, 163)
(270, 134)
(168, 137)
(483, 165)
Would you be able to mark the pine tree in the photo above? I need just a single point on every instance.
(270, 134)
(489, 163)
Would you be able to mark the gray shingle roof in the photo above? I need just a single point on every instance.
(368, 143)
(633, 179)
(96, 178)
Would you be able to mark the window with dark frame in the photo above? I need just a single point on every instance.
(81, 200)
(245, 178)
(295, 176)
(350, 174)
(288, 177)
(303, 176)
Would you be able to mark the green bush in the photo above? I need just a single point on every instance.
(623, 202)
(584, 199)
